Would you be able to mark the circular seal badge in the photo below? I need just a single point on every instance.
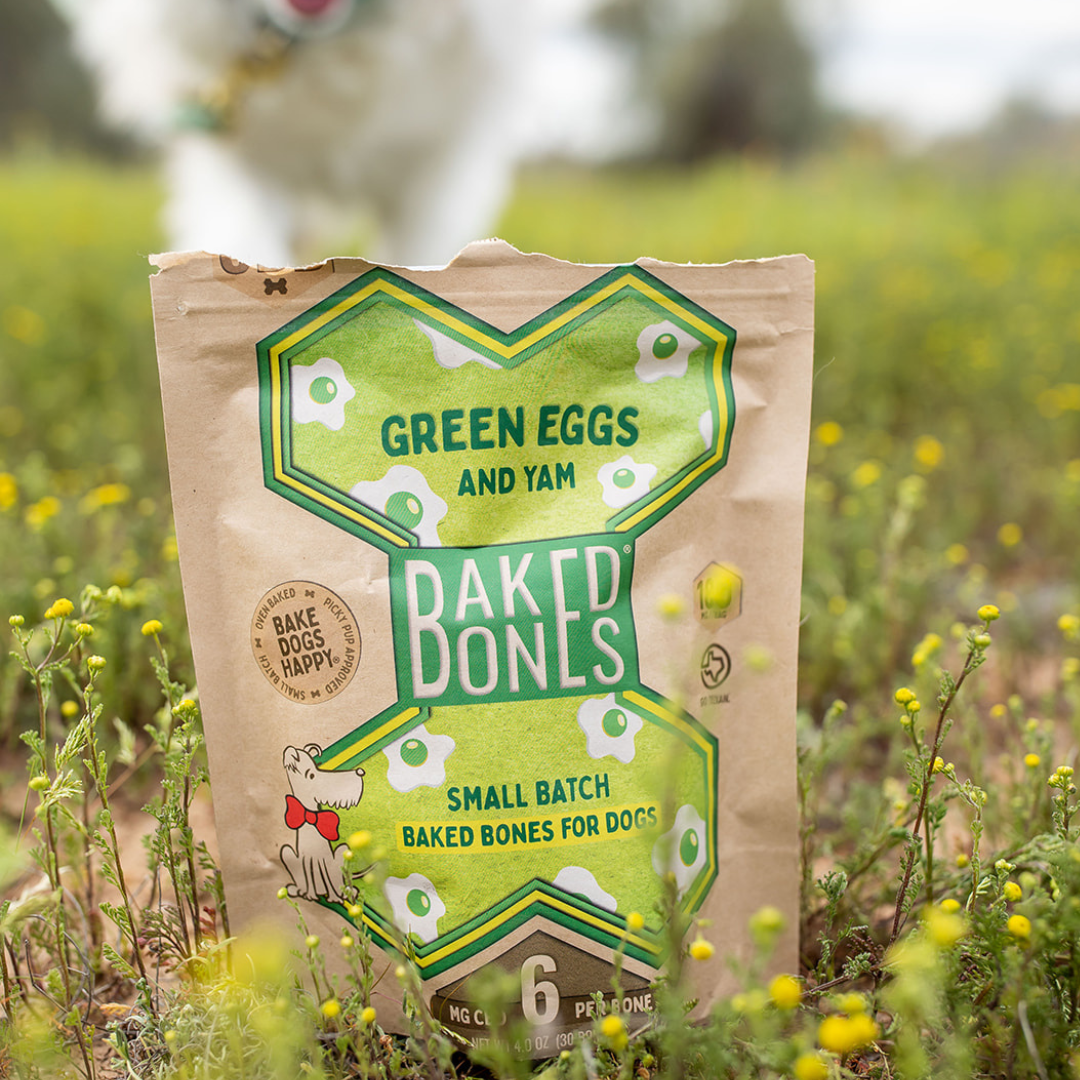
(306, 641)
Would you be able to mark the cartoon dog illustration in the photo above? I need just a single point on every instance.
(313, 864)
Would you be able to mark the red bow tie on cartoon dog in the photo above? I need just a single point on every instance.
(313, 864)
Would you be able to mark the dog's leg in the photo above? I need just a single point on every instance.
(216, 205)
(329, 872)
(448, 199)
(290, 859)
(436, 214)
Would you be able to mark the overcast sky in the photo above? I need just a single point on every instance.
(944, 65)
(932, 67)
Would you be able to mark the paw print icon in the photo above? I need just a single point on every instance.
(715, 666)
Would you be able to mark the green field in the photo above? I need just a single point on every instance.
(946, 332)
(944, 475)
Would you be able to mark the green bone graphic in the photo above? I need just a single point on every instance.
(507, 477)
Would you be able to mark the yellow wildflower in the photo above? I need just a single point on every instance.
(9, 491)
(989, 612)
(60, 609)
(24, 325)
(671, 605)
(928, 453)
(766, 923)
(635, 921)
(1032, 761)
(151, 627)
(956, 554)
(37, 514)
(1019, 926)
(869, 472)
(368, 1015)
(1012, 892)
(809, 1066)
(785, 991)
(700, 949)
(331, 1008)
(751, 1002)
(851, 1003)
(842, 1034)
(829, 433)
(944, 928)
(104, 495)
(614, 1030)
(1010, 534)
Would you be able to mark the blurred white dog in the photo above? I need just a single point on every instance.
(270, 112)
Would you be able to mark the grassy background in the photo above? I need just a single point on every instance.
(946, 334)
(944, 473)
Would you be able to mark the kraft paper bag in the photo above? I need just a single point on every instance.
(498, 564)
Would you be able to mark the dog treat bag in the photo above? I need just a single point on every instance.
(492, 575)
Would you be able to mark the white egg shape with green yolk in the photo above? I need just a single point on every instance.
(418, 759)
(663, 352)
(416, 905)
(405, 497)
(624, 480)
(580, 882)
(318, 393)
(682, 849)
(609, 728)
(451, 353)
(704, 426)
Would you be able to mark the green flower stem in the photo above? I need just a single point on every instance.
(970, 663)
(99, 772)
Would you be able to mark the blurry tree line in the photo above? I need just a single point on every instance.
(721, 75)
(711, 76)
(45, 95)
(715, 75)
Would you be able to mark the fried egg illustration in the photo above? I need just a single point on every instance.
(418, 759)
(405, 497)
(663, 351)
(450, 353)
(704, 425)
(580, 882)
(609, 728)
(682, 849)
(319, 392)
(624, 480)
(416, 905)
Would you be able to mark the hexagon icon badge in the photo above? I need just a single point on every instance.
(717, 594)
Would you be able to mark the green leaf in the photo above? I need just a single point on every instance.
(118, 963)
